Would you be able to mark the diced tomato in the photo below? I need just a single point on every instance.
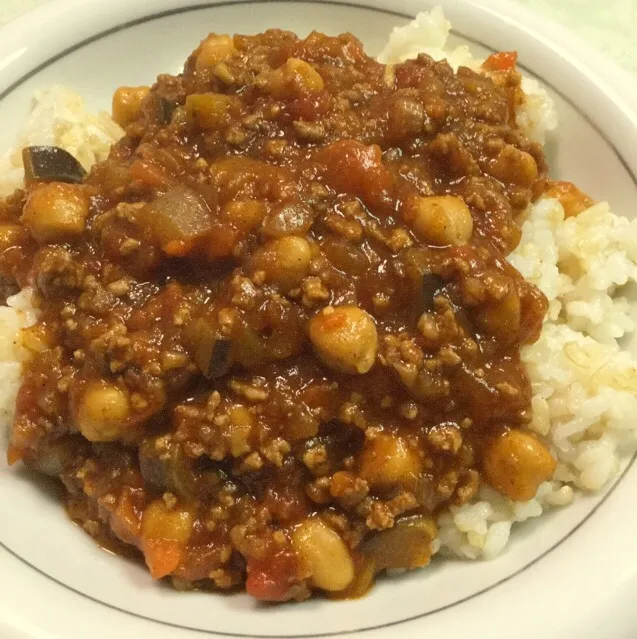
(286, 503)
(411, 75)
(501, 61)
(358, 169)
(271, 579)
(310, 107)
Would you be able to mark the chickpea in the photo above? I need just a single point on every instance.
(56, 212)
(387, 460)
(285, 260)
(502, 318)
(345, 338)
(293, 78)
(102, 411)
(244, 215)
(213, 50)
(516, 463)
(440, 220)
(323, 554)
(514, 166)
(127, 104)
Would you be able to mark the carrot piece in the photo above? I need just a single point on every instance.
(162, 556)
(501, 61)
(570, 197)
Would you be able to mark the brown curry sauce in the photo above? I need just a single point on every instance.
(284, 299)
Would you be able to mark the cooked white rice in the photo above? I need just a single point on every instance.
(18, 314)
(59, 118)
(584, 384)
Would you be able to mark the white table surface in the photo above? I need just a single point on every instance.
(609, 25)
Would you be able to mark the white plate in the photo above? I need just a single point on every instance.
(572, 574)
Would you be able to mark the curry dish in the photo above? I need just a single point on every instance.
(277, 333)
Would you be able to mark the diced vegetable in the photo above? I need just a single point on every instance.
(569, 196)
(357, 169)
(431, 285)
(502, 318)
(126, 519)
(178, 219)
(58, 455)
(212, 353)
(213, 50)
(271, 579)
(211, 110)
(345, 256)
(501, 61)
(281, 337)
(162, 556)
(150, 175)
(50, 164)
(406, 545)
(165, 110)
(166, 467)
(127, 104)
(165, 533)
(56, 212)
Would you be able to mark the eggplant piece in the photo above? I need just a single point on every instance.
(165, 110)
(50, 164)
(431, 286)
(406, 545)
(213, 354)
(158, 110)
(167, 468)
